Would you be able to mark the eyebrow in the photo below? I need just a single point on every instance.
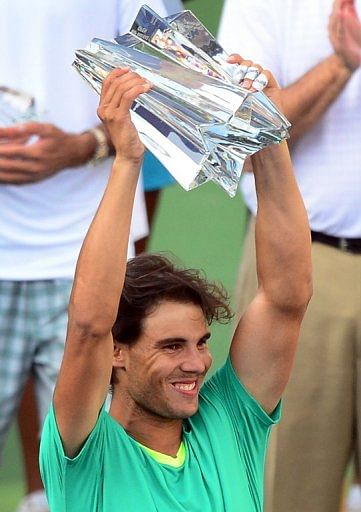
(169, 341)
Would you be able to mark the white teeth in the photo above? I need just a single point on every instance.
(185, 387)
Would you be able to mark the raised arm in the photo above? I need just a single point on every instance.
(87, 364)
(307, 99)
(265, 340)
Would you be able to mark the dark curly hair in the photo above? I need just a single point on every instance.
(153, 278)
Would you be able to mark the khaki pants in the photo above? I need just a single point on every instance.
(320, 427)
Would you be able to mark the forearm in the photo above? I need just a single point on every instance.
(282, 230)
(306, 100)
(85, 146)
(88, 144)
(102, 261)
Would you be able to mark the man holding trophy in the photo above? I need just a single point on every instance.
(168, 442)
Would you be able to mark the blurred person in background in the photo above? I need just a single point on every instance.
(314, 48)
(52, 175)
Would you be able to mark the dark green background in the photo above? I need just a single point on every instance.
(204, 228)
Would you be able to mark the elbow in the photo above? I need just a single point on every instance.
(306, 289)
(297, 298)
(309, 290)
(88, 326)
(291, 298)
(301, 306)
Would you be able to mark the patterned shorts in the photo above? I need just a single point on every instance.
(33, 319)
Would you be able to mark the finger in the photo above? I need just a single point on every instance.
(15, 178)
(15, 140)
(130, 96)
(347, 3)
(332, 22)
(28, 167)
(12, 132)
(272, 82)
(13, 151)
(121, 84)
(21, 140)
(348, 8)
(336, 6)
(123, 88)
(252, 73)
(110, 79)
(26, 130)
(235, 58)
(261, 81)
(116, 79)
(240, 71)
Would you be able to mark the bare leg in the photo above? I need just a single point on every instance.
(28, 423)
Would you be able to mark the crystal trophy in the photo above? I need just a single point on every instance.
(15, 107)
(196, 120)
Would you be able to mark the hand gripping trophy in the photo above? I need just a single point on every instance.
(196, 119)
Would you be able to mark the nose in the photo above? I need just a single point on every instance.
(196, 361)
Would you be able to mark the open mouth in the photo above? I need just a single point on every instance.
(186, 388)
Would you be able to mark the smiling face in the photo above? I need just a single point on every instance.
(164, 369)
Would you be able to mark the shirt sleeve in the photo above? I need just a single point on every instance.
(59, 472)
(252, 29)
(128, 10)
(237, 400)
(230, 413)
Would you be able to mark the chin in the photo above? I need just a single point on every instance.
(192, 413)
(186, 413)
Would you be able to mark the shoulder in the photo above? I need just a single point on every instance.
(225, 393)
(51, 441)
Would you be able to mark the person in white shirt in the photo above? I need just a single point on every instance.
(52, 175)
(314, 49)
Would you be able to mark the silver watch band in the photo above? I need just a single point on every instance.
(102, 149)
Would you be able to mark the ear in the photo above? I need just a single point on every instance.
(120, 355)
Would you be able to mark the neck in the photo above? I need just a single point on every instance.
(160, 434)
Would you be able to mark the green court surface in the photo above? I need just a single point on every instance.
(204, 228)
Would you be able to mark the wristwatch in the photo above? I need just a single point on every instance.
(102, 148)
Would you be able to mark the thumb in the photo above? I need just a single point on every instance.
(35, 128)
(12, 132)
(348, 7)
(25, 130)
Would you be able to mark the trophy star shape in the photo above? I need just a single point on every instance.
(196, 119)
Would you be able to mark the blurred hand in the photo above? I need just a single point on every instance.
(253, 77)
(120, 89)
(23, 161)
(345, 33)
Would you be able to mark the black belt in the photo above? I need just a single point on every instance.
(344, 244)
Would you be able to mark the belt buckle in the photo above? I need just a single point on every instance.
(343, 244)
